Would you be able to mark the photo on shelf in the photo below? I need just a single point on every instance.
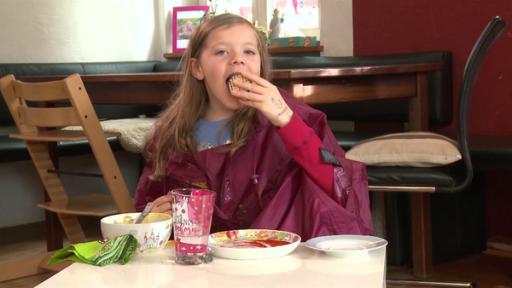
(184, 20)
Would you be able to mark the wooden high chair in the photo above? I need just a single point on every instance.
(39, 111)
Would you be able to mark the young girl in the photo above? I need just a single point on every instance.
(272, 160)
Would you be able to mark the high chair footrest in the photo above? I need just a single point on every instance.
(89, 205)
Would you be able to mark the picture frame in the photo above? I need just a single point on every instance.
(184, 20)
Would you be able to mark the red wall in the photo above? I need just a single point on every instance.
(383, 26)
(396, 26)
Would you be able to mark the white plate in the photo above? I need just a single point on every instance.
(346, 245)
(253, 243)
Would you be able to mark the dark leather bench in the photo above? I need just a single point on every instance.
(491, 153)
(439, 93)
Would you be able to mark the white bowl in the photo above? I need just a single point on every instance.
(153, 232)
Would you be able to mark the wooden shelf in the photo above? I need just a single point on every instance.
(272, 51)
(298, 50)
(173, 55)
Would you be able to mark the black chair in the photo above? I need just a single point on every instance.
(422, 182)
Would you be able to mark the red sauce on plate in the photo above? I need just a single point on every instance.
(258, 243)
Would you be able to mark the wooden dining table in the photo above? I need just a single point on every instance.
(304, 267)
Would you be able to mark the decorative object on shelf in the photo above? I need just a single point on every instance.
(299, 41)
(184, 20)
(213, 8)
(275, 25)
(263, 31)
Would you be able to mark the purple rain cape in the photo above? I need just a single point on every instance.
(261, 185)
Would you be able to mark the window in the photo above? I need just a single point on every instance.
(299, 17)
(241, 7)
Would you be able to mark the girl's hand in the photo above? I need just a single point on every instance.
(263, 96)
(162, 204)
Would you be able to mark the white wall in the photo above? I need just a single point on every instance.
(120, 30)
(336, 32)
(80, 30)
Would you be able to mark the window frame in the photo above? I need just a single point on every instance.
(263, 15)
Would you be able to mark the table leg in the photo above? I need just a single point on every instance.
(421, 228)
(379, 214)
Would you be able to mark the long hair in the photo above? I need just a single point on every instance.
(173, 131)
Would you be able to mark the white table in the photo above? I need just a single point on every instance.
(302, 268)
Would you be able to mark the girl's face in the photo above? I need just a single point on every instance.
(226, 50)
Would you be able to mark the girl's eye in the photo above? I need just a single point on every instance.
(221, 52)
(250, 52)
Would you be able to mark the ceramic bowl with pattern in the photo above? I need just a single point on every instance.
(152, 233)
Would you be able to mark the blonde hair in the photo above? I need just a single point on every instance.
(173, 131)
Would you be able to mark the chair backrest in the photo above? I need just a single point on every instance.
(487, 38)
(40, 109)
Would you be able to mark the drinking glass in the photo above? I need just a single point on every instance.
(192, 211)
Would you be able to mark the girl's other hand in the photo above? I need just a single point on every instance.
(162, 204)
(264, 96)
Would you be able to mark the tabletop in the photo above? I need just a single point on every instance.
(302, 268)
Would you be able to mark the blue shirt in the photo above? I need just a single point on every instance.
(209, 134)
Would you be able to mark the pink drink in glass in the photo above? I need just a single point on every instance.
(192, 211)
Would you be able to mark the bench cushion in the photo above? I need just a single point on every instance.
(412, 149)
(394, 175)
(134, 132)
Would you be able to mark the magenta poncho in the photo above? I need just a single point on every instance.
(261, 185)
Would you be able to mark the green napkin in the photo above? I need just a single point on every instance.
(100, 253)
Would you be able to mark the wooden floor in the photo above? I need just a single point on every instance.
(485, 270)
(26, 282)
